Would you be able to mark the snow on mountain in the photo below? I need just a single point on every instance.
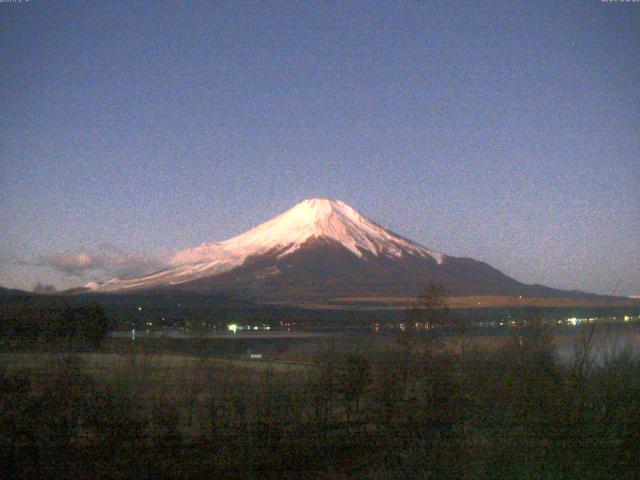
(284, 234)
(315, 218)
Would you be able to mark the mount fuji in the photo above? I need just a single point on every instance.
(321, 249)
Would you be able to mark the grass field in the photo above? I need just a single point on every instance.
(99, 363)
(366, 406)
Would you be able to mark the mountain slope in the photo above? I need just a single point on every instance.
(322, 249)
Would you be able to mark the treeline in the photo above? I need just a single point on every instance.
(411, 411)
(204, 311)
(45, 322)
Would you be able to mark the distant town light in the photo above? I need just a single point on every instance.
(232, 327)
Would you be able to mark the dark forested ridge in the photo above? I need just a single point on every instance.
(165, 308)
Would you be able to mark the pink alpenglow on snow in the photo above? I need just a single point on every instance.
(316, 218)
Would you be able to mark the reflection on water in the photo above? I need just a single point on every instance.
(603, 344)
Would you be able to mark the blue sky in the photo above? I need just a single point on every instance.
(504, 131)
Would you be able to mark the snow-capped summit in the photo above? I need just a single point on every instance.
(314, 218)
(321, 250)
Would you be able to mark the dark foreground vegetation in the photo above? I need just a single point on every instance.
(49, 322)
(410, 409)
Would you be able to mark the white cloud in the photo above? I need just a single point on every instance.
(104, 260)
